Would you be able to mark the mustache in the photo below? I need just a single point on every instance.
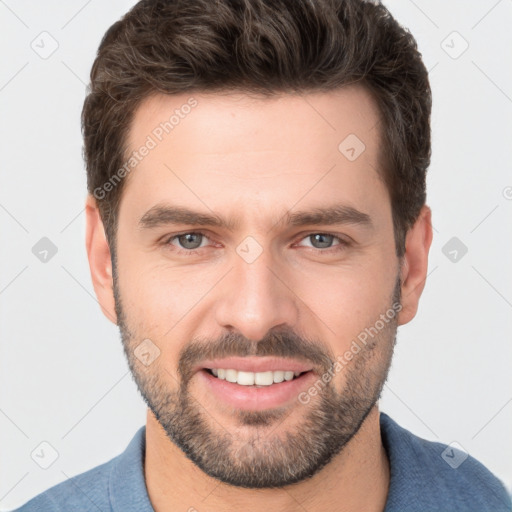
(277, 343)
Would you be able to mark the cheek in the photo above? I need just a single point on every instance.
(157, 299)
(347, 301)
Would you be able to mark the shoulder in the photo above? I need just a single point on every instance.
(117, 484)
(428, 475)
(87, 491)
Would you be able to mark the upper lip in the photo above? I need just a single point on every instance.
(256, 364)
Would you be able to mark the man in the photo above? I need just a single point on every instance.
(257, 227)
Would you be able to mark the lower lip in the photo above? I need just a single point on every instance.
(256, 398)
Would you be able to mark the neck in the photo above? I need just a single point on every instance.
(357, 479)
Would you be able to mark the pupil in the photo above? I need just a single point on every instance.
(190, 240)
(322, 240)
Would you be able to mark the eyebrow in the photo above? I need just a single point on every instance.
(161, 215)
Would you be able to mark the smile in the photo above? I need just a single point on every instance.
(253, 378)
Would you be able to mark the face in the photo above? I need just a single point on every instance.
(255, 245)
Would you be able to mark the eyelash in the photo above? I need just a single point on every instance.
(343, 244)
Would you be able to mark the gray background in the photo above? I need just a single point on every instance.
(63, 377)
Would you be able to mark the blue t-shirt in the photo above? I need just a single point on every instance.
(425, 477)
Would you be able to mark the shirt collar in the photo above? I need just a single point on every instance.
(127, 486)
(412, 481)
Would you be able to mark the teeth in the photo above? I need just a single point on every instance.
(245, 378)
(231, 375)
(254, 378)
(278, 376)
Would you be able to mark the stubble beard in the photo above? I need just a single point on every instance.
(269, 456)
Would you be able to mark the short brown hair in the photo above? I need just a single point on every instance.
(264, 47)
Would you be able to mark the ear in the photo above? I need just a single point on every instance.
(100, 261)
(415, 264)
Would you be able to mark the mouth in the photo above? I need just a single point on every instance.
(259, 383)
(254, 379)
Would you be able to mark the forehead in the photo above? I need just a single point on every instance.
(217, 150)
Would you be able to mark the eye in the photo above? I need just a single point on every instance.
(188, 241)
(322, 241)
(191, 242)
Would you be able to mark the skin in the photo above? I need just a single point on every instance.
(255, 159)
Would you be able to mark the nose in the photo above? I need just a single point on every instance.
(255, 298)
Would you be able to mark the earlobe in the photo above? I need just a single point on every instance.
(415, 265)
(100, 261)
